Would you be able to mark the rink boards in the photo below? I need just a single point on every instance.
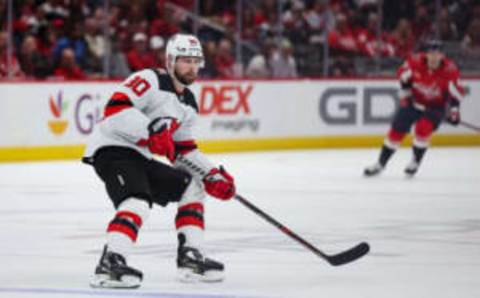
(53, 120)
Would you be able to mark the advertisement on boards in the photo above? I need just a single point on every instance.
(49, 114)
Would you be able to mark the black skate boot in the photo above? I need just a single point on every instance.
(113, 272)
(385, 154)
(418, 154)
(192, 266)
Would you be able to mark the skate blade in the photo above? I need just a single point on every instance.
(372, 172)
(105, 282)
(188, 276)
(410, 175)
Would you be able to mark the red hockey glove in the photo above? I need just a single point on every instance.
(219, 184)
(453, 116)
(160, 140)
(161, 143)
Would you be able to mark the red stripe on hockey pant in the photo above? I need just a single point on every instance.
(192, 206)
(395, 137)
(123, 230)
(189, 221)
(424, 129)
(132, 216)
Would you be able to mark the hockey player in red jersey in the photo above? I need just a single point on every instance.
(153, 113)
(430, 93)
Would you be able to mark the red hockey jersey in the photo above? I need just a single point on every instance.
(431, 88)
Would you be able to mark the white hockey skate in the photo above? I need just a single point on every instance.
(373, 170)
(113, 272)
(193, 267)
(412, 168)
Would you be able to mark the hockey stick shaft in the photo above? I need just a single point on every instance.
(339, 259)
(280, 226)
(471, 126)
(347, 256)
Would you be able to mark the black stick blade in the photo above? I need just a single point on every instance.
(350, 255)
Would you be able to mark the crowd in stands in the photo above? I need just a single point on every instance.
(69, 39)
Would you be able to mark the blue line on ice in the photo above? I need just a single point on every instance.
(112, 293)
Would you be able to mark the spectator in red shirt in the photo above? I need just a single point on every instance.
(342, 37)
(139, 57)
(46, 40)
(422, 23)
(167, 24)
(68, 68)
(224, 61)
(403, 39)
(249, 30)
(367, 39)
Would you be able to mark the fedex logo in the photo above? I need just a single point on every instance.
(225, 99)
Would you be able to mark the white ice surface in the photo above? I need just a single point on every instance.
(424, 232)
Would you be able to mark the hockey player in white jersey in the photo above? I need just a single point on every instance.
(153, 113)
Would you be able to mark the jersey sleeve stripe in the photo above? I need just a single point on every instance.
(118, 102)
(183, 147)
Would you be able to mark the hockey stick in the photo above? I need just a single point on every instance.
(342, 258)
(471, 126)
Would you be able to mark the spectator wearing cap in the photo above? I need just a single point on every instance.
(139, 57)
(157, 45)
(283, 63)
(68, 69)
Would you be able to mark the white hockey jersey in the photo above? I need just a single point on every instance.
(143, 97)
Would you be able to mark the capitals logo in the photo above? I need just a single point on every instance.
(57, 108)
